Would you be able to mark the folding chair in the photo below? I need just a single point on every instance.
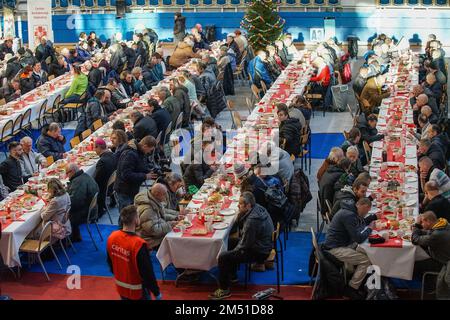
(92, 219)
(111, 181)
(86, 133)
(74, 141)
(6, 137)
(97, 124)
(179, 121)
(36, 247)
(50, 160)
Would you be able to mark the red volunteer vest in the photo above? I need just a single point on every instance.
(123, 249)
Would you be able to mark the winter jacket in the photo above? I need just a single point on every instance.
(440, 206)
(367, 133)
(327, 184)
(228, 81)
(256, 231)
(49, 146)
(234, 46)
(347, 194)
(94, 111)
(83, 54)
(323, 77)
(13, 67)
(183, 52)
(258, 71)
(79, 85)
(208, 80)
(129, 88)
(444, 143)
(26, 84)
(181, 93)
(347, 227)
(200, 90)
(436, 154)
(104, 168)
(434, 91)
(139, 87)
(39, 79)
(285, 166)
(174, 107)
(131, 170)
(442, 180)
(154, 222)
(144, 126)
(95, 78)
(195, 174)
(11, 172)
(55, 69)
(82, 188)
(216, 100)
(152, 74)
(358, 84)
(162, 118)
(290, 135)
(179, 28)
(436, 240)
(372, 95)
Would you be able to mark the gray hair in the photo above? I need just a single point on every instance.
(174, 178)
(53, 126)
(26, 139)
(73, 167)
(335, 154)
(353, 149)
(249, 198)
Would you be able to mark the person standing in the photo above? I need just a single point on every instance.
(129, 260)
(179, 30)
(105, 167)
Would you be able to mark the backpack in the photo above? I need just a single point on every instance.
(274, 196)
(299, 189)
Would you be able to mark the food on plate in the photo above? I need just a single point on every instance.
(215, 198)
(392, 234)
(186, 223)
(218, 218)
(199, 232)
(407, 237)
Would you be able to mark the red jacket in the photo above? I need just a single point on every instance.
(323, 77)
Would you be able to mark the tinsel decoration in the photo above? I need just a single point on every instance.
(263, 23)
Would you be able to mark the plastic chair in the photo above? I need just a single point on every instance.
(38, 246)
(97, 124)
(74, 141)
(86, 133)
(50, 160)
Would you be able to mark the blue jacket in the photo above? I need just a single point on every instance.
(347, 227)
(83, 54)
(162, 118)
(256, 66)
(49, 146)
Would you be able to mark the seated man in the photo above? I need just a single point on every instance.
(355, 192)
(14, 91)
(433, 151)
(347, 230)
(258, 71)
(290, 131)
(353, 155)
(436, 202)
(82, 188)
(10, 169)
(170, 103)
(95, 110)
(329, 181)
(51, 142)
(428, 172)
(143, 126)
(254, 244)
(432, 87)
(439, 138)
(160, 115)
(152, 72)
(373, 93)
(433, 235)
(174, 183)
(182, 53)
(368, 128)
(31, 161)
(155, 223)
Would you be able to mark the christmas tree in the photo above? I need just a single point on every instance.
(263, 24)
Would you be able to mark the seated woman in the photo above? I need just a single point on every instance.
(77, 88)
(354, 139)
(55, 210)
(322, 80)
(258, 71)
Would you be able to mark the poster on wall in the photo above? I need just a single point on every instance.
(316, 34)
(8, 22)
(39, 21)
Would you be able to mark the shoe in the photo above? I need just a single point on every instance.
(234, 279)
(220, 294)
(258, 267)
(269, 265)
(353, 294)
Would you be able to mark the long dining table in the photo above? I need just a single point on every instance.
(198, 240)
(393, 168)
(20, 212)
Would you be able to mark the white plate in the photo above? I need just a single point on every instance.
(411, 202)
(411, 179)
(411, 190)
(392, 164)
(220, 225)
(228, 212)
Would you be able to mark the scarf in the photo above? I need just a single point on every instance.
(440, 223)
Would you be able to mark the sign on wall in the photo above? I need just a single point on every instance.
(8, 23)
(316, 34)
(39, 21)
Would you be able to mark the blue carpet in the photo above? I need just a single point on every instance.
(321, 143)
(93, 263)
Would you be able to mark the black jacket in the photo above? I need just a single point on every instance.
(49, 146)
(145, 126)
(56, 70)
(195, 174)
(129, 88)
(436, 241)
(26, 85)
(436, 154)
(290, 131)
(95, 77)
(181, 93)
(367, 133)
(347, 227)
(434, 91)
(82, 188)
(172, 105)
(94, 111)
(180, 26)
(106, 165)
(131, 170)
(345, 194)
(358, 84)
(11, 172)
(443, 142)
(440, 206)
(256, 231)
(12, 68)
(162, 118)
(327, 184)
